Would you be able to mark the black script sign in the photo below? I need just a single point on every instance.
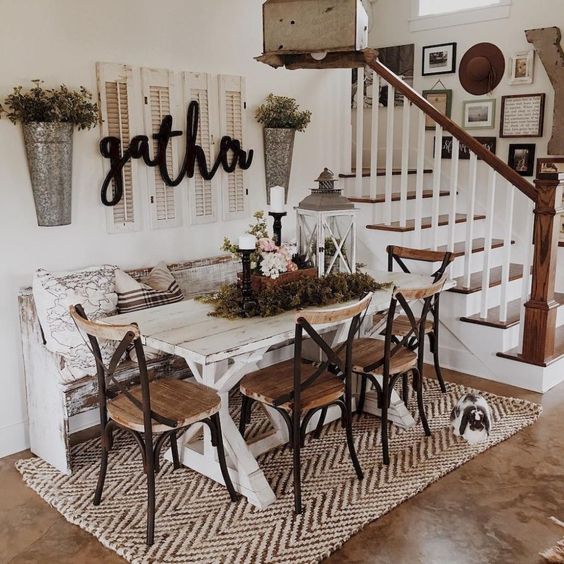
(490, 143)
(110, 147)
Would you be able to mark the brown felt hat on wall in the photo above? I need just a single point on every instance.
(481, 69)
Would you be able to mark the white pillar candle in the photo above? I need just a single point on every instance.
(247, 242)
(277, 197)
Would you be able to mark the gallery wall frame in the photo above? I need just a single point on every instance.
(522, 115)
(438, 59)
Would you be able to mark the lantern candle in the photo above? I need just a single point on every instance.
(277, 197)
(247, 242)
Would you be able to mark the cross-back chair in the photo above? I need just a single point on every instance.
(163, 407)
(298, 390)
(401, 326)
(383, 362)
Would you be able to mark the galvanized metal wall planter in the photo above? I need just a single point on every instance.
(278, 152)
(49, 156)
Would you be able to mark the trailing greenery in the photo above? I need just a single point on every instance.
(60, 104)
(306, 292)
(281, 112)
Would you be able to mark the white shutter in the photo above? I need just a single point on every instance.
(203, 193)
(116, 93)
(159, 100)
(231, 112)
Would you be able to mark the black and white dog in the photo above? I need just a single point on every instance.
(471, 418)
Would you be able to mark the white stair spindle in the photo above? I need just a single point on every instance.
(453, 194)
(470, 207)
(406, 126)
(507, 239)
(374, 135)
(488, 243)
(528, 261)
(359, 131)
(437, 184)
(419, 178)
(389, 154)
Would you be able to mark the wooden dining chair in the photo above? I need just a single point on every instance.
(383, 362)
(298, 390)
(402, 325)
(161, 407)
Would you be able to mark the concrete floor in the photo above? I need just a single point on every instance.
(494, 509)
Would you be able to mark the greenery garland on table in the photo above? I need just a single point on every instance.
(302, 293)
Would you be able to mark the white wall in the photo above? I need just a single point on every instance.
(59, 41)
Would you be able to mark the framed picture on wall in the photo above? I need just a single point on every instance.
(441, 100)
(479, 114)
(522, 158)
(522, 67)
(490, 143)
(522, 115)
(439, 59)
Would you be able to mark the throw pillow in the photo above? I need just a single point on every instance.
(54, 293)
(161, 289)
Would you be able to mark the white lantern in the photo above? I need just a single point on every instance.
(327, 228)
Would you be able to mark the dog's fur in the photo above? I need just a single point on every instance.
(471, 418)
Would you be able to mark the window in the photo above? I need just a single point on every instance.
(433, 7)
(433, 14)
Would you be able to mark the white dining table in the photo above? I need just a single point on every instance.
(220, 352)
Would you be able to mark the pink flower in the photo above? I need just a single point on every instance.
(267, 245)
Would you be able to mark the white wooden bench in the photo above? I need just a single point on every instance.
(51, 404)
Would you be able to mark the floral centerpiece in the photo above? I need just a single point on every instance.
(271, 263)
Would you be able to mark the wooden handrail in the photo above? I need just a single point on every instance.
(371, 59)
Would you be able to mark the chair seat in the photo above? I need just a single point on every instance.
(368, 351)
(179, 400)
(402, 326)
(268, 384)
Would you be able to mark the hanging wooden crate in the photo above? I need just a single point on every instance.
(311, 26)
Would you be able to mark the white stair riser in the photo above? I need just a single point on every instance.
(348, 184)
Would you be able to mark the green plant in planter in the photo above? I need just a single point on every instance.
(48, 117)
(48, 105)
(281, 112)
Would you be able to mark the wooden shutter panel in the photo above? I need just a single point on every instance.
(231, 112)
(116, 94)
(203, 193)
(159, 100)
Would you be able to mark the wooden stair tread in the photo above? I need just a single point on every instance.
(513, 315)
(396, 197)
(478, 246)
(515, 273)
(426, 223)
(515, 354)
(382, 172)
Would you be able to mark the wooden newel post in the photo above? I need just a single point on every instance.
(540, 311)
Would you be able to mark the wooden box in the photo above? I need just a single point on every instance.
(259, 283)
(311, 26)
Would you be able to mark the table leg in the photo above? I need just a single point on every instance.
(248, 479)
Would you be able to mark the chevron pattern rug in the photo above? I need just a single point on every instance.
(196, 523)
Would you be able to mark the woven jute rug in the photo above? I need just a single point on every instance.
(196, 523)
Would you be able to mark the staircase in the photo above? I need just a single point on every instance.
(503, 320)
(474, 208)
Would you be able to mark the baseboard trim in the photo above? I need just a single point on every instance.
(14, 438)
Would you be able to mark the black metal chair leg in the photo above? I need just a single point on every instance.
(347, 417)
(174, 450)
(245, 414)
(420, 405)
(221, 457)
(101, 475)
(297, 464)
(434, 343)
(405, 391)
(320, 423)
(384, 408)
(150, 498)
(361, 395)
